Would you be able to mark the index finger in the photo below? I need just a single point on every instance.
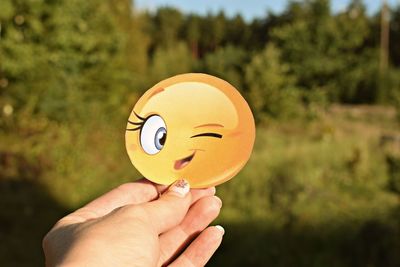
(137, 192)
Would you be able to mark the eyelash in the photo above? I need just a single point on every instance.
(138, 124)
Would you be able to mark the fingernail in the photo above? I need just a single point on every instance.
(213, 190)
(219, 201)
(179, 188)
(219, 227)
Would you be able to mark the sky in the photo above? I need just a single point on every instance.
(248, 8)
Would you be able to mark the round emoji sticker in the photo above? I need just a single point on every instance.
(191, 126)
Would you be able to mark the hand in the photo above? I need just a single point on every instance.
(129, 226)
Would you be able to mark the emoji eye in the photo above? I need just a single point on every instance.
(208, 134)
(153, 135)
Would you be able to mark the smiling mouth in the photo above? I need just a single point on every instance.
(181, 163)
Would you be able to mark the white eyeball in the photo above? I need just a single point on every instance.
(153, 135)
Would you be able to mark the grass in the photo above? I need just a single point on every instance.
(314, 193)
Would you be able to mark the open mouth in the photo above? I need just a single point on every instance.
(181, 163)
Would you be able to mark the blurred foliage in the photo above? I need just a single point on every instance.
(322, 186)
(316, 194)
(227, 62)
(272, 88)
(164, 63)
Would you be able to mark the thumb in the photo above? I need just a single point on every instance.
(169, 210)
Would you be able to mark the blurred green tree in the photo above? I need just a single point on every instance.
(49, 51)
(228, 63)
(169, 61)
(133, 57)
(271, 87)
(213, 29)
(395, 36)
(166, 27)
(192, 33)
(323, 52)
(237, 32)
(59, 56)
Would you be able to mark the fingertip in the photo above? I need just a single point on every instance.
(218, 201)
(220, 229)
(213, 190)
(199, 252)
(180, 188)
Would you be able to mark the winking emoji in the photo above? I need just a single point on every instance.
(191, 126)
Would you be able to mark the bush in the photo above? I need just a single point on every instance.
(271, 88)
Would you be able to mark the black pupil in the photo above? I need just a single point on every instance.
(162, 138)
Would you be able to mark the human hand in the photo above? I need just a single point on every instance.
(129, 226)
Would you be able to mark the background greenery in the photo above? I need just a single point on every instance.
(323, 185)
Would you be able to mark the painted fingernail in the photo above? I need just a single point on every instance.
(219, 227)
(179, 188)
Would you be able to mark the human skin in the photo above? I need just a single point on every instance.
(133, 225)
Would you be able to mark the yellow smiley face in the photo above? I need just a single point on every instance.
(191, 126)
